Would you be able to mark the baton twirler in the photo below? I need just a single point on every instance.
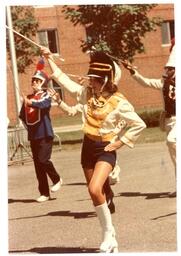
(39, 46)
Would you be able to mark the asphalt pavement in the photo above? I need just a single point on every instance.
(145, 217)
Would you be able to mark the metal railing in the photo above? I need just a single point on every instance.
(19, 149)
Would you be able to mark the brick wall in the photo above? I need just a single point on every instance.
(149, 64)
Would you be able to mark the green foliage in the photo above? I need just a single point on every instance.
(116, 29)
(151, 117)
(25, 23)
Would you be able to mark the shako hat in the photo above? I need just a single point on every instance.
(101, 66)
(40, 74)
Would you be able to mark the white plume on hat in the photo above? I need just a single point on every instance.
(171, 59)
(117, 75)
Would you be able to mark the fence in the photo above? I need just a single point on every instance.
(19, 149)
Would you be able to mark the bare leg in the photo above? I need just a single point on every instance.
(96, 179)
(99, 176)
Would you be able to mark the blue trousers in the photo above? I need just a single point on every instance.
(41, 150)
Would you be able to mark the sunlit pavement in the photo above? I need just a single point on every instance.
(145, 218)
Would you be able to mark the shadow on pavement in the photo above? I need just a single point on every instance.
(11, 200)
(76, 184)
(58, 250)
(147, 195)
(75, 215)
(164, 216)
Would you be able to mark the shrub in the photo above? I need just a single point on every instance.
(150, 116)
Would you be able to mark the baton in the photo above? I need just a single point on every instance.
(112, 57)
(29, 40)
(122, 61)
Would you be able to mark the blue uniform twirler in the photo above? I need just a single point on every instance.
(36, 118)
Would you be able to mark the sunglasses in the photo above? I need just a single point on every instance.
(35, 80)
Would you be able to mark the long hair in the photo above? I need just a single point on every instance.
(110, 87)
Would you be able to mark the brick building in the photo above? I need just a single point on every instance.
(64, 38)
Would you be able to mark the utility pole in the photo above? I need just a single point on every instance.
(19, 129)
(14, 63)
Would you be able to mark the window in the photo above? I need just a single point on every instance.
(49, 38)
(53, 84)
(43, 6)
(168, 31)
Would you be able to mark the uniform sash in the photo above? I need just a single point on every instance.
(33, 114)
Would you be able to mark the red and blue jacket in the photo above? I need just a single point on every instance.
(36, 118)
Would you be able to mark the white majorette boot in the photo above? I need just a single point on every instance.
(109, 243)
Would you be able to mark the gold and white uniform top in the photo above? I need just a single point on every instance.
(103, 119)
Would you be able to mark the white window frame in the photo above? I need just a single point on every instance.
(43, 6)
(45, 43)
(167, 33)
(57, 89)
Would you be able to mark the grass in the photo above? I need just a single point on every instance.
(66, 120)
(71, 137)
(153, 134)
(148, 135)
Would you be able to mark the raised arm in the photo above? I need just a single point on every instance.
(60, 77)
(148, 82)
(144, 81)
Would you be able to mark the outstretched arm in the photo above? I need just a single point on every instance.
(144, 81)
(70, 110)
(59, 76)
(148, 82)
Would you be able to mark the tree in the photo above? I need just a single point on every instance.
(116, 29)
(25, 23)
